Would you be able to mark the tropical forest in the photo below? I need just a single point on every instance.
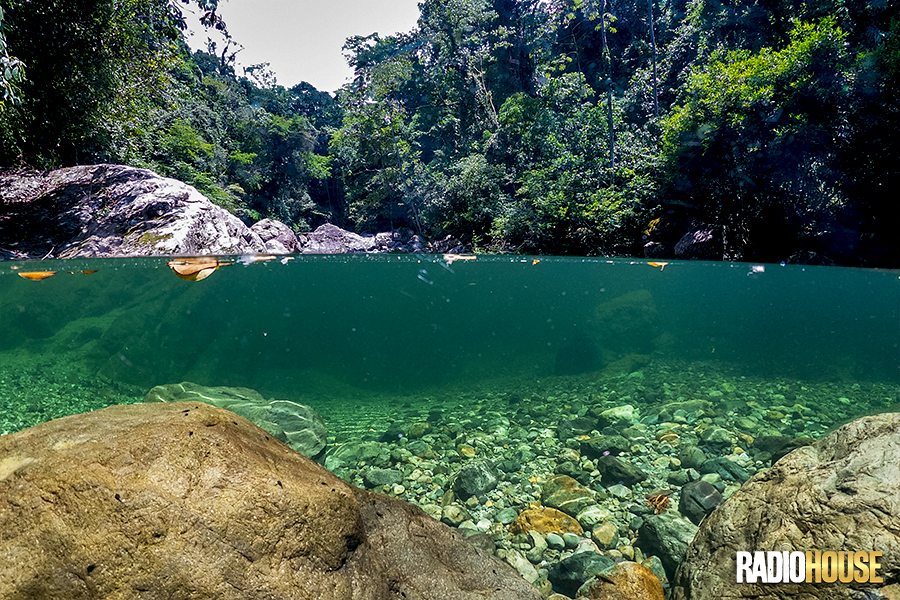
(565, 127)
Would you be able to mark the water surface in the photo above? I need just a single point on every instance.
(345, 332)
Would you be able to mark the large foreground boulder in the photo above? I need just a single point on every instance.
(113, 210)
(186, 500)
(840, 494)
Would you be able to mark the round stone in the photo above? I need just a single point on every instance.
(555, 541)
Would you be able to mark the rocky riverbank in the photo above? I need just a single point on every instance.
(94, 211)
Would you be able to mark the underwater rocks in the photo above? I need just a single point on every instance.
(565, 494)
(113, 210)
(840, 493)
(188, 500)
(297, 425)
(545, 521)
(667, 536)
(693, 444)
(698, 499)
(476, 479)
(623, 581)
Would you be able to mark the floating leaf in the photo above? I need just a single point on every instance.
(193, 269)
(37, 275)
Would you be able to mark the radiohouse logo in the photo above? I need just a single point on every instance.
(808, 567)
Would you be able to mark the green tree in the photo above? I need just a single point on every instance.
(12, 71)
(753, 148)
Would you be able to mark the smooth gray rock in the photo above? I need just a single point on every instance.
(454, 515)
(604, 445)
(278, 237)
(571, 572)
(476, 479)
(614, 470)
(331, 239)
(698, 499)
(725, 468)
(666, 535)
(591, 515)
(555, 541)
(716, 438)
(376, 477)
(521, 564)
(506, 516)
(538, 545)
(113, 210)
(837, 494)
(691, 457)
(573, 427)
(618, 417)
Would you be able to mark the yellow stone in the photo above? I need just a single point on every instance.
(544, 520)
(466, 451)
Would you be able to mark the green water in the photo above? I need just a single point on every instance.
(347, 333)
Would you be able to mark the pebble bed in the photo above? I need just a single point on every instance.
(675, 423)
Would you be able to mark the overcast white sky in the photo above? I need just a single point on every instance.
(302, 39)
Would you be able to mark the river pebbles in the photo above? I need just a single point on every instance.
(674, 422)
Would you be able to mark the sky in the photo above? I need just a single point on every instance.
(302, 39)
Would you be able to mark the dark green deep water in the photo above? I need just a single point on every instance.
(333, 330)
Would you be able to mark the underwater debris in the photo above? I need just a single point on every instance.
(659, 501)
(450, 258)
(249, 259)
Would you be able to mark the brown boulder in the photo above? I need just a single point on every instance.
(186, 500)
(624, 581)
(839, 494)
(544, 520)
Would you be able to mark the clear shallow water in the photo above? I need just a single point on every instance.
(350, 333)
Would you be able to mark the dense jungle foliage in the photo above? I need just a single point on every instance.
(537, 126)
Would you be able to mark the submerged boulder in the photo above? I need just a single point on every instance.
(840, 493)
(297, 425)
(186, 500)
(113, 210)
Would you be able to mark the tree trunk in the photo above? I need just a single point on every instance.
(653, 59)
(609, 86)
